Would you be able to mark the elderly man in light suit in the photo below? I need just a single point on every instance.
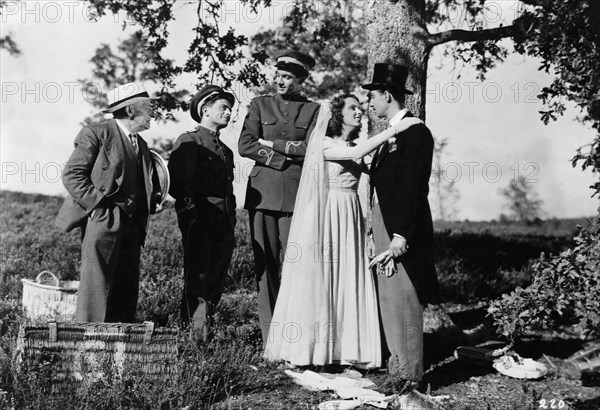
(111, 186)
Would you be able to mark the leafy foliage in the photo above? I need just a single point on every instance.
(213, 56)
(482, 265)
(6, 42)
(332, 31)
(229, 370)
(565, 289)
(565, 36)
(130, 63)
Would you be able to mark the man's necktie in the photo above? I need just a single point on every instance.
(133, 139)
(220, 150)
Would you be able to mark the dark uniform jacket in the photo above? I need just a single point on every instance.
(287, 121)
(400, 175)
(201, 171)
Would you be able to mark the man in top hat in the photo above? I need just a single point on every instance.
(286, 119)
(402, 224)
(112, 190)
(201, 170)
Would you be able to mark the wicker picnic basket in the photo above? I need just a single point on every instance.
(46, 296)
(88, 351)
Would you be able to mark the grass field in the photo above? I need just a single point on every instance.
(476, 262)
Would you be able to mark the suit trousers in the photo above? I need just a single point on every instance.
(110, 266)
(208, 243)
(401, 312)
(269, 231)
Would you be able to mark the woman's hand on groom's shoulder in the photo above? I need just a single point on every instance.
(407, 122)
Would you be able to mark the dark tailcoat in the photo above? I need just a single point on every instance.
(400, 176)
(104, 174)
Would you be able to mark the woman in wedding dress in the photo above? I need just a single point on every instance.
(326, 310)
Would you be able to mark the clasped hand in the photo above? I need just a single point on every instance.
(385, 264)
(385, 260)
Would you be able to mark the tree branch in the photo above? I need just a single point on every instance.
(515, 30)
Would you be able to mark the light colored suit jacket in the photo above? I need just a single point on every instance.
(95, 170)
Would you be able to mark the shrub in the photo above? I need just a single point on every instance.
(565, 289)
(483, 264)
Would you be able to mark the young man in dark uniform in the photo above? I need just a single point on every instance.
(286, 118)
(201, 170)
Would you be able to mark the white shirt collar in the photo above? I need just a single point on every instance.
(123, 127)
(399, 115)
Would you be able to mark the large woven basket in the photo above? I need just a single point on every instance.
(48, 297)
(88, 351)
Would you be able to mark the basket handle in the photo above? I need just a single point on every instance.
(38, 279)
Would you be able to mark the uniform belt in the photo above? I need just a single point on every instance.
(220, 202)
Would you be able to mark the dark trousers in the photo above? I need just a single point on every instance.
(269, 231)
(208, 243)
(110, 266)
(400, 310)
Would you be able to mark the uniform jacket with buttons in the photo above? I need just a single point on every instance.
(201, 169)
(288, 122)
(400, 174)
(96, 170)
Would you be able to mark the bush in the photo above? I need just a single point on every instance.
(483, 264)
(565, 290)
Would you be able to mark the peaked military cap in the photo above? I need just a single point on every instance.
(295, 62)
(207, 93)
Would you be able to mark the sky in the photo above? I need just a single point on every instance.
(493, 128)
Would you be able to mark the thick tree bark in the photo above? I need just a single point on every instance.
(396, 33)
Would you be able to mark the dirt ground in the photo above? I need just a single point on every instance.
(466, 385)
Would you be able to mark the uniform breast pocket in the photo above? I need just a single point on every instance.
(304, 118)
(269, 123)
(302, 123)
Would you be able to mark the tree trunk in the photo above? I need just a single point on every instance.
(396, 33)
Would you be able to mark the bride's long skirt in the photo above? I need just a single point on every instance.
(333, 318)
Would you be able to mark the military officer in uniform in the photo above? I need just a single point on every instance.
(286, 118)
(201, 170)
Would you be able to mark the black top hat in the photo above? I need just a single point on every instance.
(294, 61)
(210, 92)
(388, 76)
